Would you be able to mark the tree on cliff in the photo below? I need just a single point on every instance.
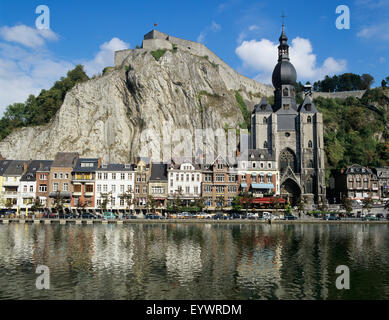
(41, 109)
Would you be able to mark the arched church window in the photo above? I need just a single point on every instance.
(285, 92)
(264, 120)
(288, 159)
(310, 144)
(309, 119)
(310, 163)
(265, 144)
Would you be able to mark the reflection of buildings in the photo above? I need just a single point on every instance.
(183, 260)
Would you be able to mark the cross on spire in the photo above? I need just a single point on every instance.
(283, 16)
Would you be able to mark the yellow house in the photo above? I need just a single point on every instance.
(3, 167)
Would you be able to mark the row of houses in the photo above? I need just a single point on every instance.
(358, 182)
(87, 183)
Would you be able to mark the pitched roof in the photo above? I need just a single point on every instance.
(115, 167)
(4, 165)
(263, 106)
(33, 167)
(158, 172)
(86, 165)
(65, 159)
(307, 106)
(15, 168)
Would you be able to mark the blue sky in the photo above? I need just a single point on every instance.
(243, 33)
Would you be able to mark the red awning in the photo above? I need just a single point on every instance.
(267, 200)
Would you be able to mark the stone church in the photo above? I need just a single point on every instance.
(290, 135)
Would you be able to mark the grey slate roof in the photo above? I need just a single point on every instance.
(65, 159)
(4, 165)
(158, 172)
(79, 168)
(33, 167)
(304, 108)
(115, 167)
(15, 168)
(256, 155)
(45, 165)
(356, 168)
(263, 106)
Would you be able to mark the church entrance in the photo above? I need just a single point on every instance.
(290, 191)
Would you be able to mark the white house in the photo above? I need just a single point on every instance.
(115, 180)
(184, 179)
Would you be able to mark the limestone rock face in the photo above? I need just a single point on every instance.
(106, 116)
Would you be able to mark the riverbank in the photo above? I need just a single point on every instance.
(164, 221)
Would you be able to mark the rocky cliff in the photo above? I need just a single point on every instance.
(105, 116)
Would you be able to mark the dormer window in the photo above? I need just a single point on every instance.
(286, 106)
(308, 107)
(252, 156)
(265, 144)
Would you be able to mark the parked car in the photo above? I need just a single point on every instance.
(236, 216)
(50, 215)
(153, 216)
(380, 216)
(88, 215)
(6, 213)
(109, 215)
(290, 217)
(67, 216)
(371, 217)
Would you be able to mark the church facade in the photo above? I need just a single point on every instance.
(290, 136)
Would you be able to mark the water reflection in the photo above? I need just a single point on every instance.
(190, 261)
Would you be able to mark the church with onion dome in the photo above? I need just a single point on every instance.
(287, 137)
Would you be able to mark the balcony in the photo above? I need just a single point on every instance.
(83, 177)
(10, 193)
(88, 194)
(9, 183)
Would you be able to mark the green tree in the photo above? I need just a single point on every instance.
(128, 198)
(105, 200)
(151, 203)
(236, 204)
(346, 204)
(246, 200)
(367, 204)
(59, 202)
(275, 204)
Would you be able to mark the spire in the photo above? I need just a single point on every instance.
(283, 48)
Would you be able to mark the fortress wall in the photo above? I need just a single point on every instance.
(155, 44)
(340, 95)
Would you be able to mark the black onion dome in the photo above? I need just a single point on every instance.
(284, 73)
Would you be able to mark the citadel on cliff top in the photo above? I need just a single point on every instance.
(155, 40)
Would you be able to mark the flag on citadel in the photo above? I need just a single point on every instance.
(155, 24)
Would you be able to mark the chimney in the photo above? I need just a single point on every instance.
(24, 167)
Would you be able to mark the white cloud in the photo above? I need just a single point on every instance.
(105, 57)
(261, 56)
(27, 36)
(214, 27)
(378, 31)
(28, 70)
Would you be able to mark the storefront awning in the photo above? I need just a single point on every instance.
(262, 186)
(243, 185)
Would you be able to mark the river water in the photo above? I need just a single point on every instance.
(194, 261)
